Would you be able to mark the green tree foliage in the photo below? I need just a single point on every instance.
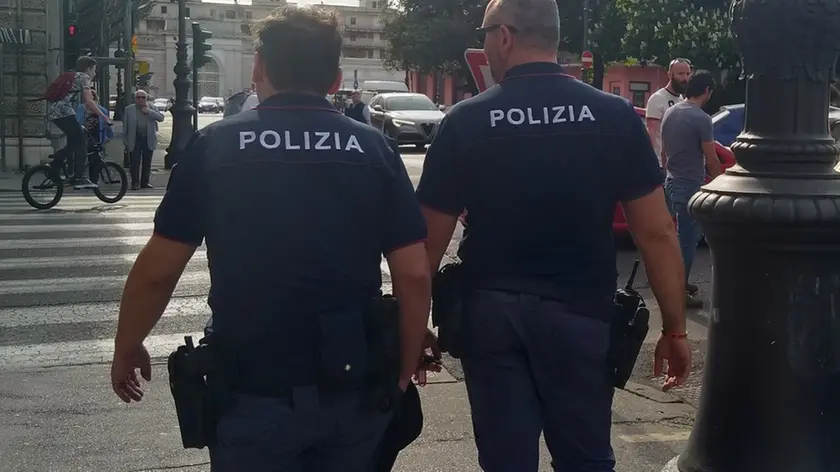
(659, 30)
(431, 35)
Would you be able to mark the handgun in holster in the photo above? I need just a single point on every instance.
(189, 368)
(448, 308)
(628, 329)
(382, 376)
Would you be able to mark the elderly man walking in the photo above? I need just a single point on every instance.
(140, 138)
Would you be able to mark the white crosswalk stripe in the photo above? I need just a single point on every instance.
(61, 277)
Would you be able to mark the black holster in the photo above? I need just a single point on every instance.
(628, 329)
(448, 287)
(382, 332)
(198, 389)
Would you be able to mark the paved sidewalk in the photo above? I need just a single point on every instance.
(67, 419)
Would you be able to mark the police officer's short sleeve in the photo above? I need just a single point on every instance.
(639, 168)
(440, 187)
(180, 216)
(403, 223)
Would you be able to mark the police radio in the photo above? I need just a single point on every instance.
(628, 330)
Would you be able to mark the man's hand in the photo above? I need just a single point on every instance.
(430, 362)
(678, 354)
(124, 367)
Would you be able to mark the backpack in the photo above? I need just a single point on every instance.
(60, 87)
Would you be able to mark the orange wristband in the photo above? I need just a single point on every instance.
(675, 335)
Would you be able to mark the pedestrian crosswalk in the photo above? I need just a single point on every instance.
(62, 273)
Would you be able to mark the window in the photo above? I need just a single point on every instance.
(245, 29)
(383, 36)
(415, 101)
(188, 12)
(639, 91)
(212, 13)
(354, 52)
(351, 36)
(370, 53)
(230, 14)
(616, 90)
(639, 99)
(163, 9)
(249, 14)
(352, 20)
(373, 5)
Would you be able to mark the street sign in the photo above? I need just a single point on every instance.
(479, 68)
(586, 59)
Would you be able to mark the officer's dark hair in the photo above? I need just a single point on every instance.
(537, 22)
(700, 81)
(84, 63)
(300, 47)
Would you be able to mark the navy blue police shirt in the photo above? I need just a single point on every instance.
(296, 204)
(539, 162)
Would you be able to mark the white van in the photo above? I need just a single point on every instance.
(373, 87)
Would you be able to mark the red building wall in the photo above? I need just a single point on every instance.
(634, 83)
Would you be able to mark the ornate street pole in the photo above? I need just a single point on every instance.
(181, 110)
(771, 390)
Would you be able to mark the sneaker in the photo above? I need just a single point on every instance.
(147, 187)
(693, 301)
(692, 289)
(84, 184)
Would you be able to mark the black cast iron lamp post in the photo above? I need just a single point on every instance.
(181, 110)
(771, 390)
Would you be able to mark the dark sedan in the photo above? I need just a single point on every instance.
(409, 118)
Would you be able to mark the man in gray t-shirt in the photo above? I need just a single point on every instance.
(688, 152)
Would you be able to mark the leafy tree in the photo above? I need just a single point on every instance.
(431, 35)
(658, 30)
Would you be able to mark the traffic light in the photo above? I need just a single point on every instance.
(71, 44)
(144, 80)
(200, 45)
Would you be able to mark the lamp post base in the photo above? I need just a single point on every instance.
(672, 466)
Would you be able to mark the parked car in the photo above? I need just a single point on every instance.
(408, 118)
(162, 104)
(728, 123)
(208, 105)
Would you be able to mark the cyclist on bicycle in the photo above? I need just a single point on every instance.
(63, 114)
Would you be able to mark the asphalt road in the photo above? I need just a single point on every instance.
(61, 277)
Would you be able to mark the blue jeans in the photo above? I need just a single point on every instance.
(679, 192)
(532, 366)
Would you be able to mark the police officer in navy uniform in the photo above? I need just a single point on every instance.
(540, 161)
(296, 204)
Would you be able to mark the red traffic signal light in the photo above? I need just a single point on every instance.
(71, 29)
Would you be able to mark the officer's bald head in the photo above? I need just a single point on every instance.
(536, 22)
(298, 50)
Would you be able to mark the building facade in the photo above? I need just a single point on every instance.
(233, 51)
(26, 68)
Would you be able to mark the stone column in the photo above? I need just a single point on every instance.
(26, 70)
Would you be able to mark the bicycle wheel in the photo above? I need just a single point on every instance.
(112, 182)
(42, 179)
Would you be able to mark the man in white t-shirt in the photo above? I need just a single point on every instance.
(678, 72)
